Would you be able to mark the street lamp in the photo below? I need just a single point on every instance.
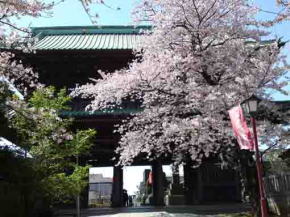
(251, 106)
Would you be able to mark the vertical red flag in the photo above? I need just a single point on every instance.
(240, 128)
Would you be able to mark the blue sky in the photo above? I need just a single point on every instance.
(281, 30)
(71, 13)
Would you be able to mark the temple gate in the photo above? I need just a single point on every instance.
(68, 56)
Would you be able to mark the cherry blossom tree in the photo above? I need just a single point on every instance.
(12, 37)
(200, 59)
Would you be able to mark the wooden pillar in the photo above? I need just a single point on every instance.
(199, 185)
(188, 184)
(191, 184)
(158, 184)
(117, 190)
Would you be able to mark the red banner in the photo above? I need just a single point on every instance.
(150, 178)
(240, 128)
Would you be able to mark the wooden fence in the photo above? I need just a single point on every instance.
(277, 189)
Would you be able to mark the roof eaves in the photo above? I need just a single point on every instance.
(73, 30)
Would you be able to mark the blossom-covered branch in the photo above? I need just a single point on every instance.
(200, 59)
(11, 38)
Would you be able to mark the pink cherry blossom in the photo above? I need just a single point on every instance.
(200, 59)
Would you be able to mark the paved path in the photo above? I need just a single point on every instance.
(171, 211)
(155, 214)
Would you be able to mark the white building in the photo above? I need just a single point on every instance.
(100, 190)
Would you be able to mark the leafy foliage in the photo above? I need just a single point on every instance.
(54, 148)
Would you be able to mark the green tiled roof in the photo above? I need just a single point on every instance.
(88, 37)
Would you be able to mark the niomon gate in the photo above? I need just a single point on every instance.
(68, 56)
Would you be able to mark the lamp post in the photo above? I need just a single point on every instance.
(251, 107)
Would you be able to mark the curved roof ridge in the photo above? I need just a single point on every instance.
(99, 29)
